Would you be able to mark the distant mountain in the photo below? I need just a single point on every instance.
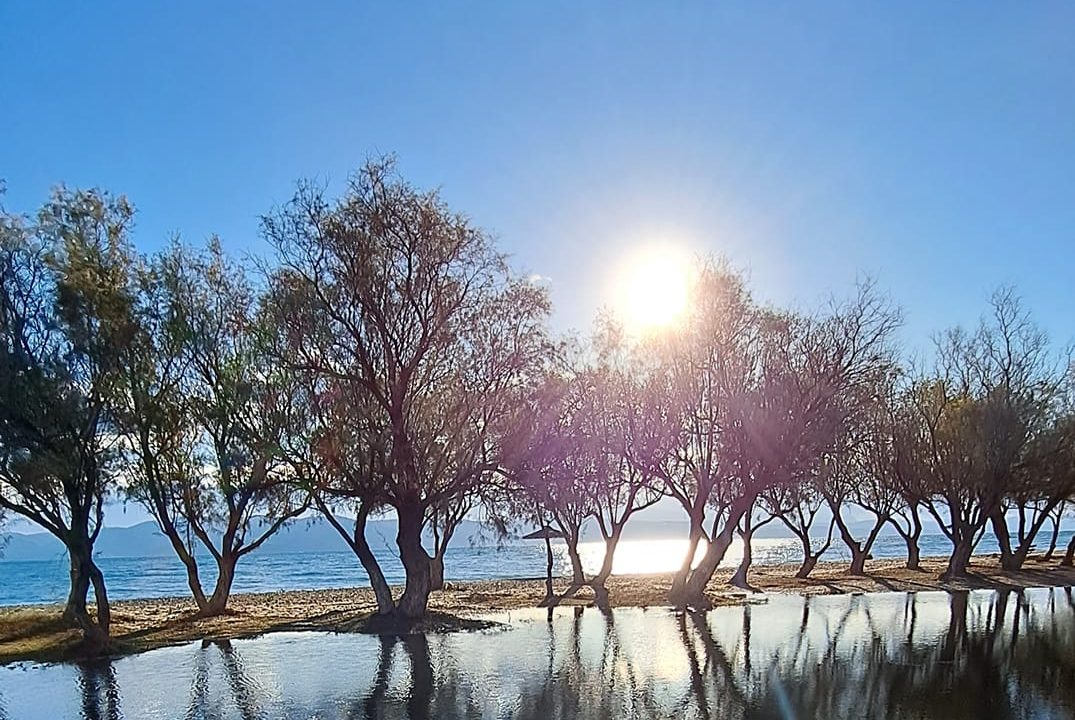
(145, 539)
(315, 535)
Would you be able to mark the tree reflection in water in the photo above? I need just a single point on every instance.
(998, 655)
(99, 691)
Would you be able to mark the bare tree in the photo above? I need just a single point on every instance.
(790, 398)
(797, 506)
(550, 464)
(1044, 481)
(895, 457)
(947, 420)
(1010, 363)
(706, 364)
(627, 431)
(990, 395)
(410, 305)
(216, 477)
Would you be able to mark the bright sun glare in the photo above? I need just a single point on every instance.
(652, 288)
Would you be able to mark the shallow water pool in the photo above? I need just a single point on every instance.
(897, 655)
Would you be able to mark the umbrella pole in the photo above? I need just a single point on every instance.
(548, 567)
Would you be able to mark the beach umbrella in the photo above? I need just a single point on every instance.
(547, 534)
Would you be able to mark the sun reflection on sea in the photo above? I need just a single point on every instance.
(637, 557)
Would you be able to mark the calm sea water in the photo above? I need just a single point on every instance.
(26, 582)
(896, 655)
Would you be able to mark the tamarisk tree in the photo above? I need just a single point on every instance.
(65, 301)
(410, 307)
(777, 391)
(206, 414)
(990, 396)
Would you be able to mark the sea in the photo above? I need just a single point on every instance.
(25, 582)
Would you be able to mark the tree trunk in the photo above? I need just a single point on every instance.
(1055, 534)
(356, 540)
(694, 592)
(1004, 540)
(84, 574)
(416, 563)
(578, 576)
(361, 547)
(858, 561)
(436, 571)
(679, 581)
(860, 551)
(1069, 556)
(960, 558)
(1015, 559)
(1018, 558)
(809, 563)
(218, 601)
(739, 579)
(910, 537)
(913, 553)
(100, 599)
(810, 558)
(611, 543)
(80, 586)
(194, 582)
(159, 508)
(548, 568)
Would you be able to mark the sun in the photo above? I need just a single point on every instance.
(652, 288)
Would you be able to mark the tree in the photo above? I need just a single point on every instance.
(411, 307)
(550, 464)
(788, 386)
(947, 419)
(206, 412)
(797, 506)
(858, 472)
(852, 483)
(625, 431)
(1009, 364)
(341, 459)
(1047, 480)
(989, 396)
(64, 308)
(703, 367)
(1044, 481)
(153, 415)
(752, 521)
(895, 457)
(586, 449)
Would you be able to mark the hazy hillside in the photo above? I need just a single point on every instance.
(146, 540)
(315, 536)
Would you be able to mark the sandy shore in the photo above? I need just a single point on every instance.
(34, 632)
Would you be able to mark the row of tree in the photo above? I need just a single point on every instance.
(746, 415)
(388, 359)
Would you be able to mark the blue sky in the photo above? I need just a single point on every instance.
(930, 145)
